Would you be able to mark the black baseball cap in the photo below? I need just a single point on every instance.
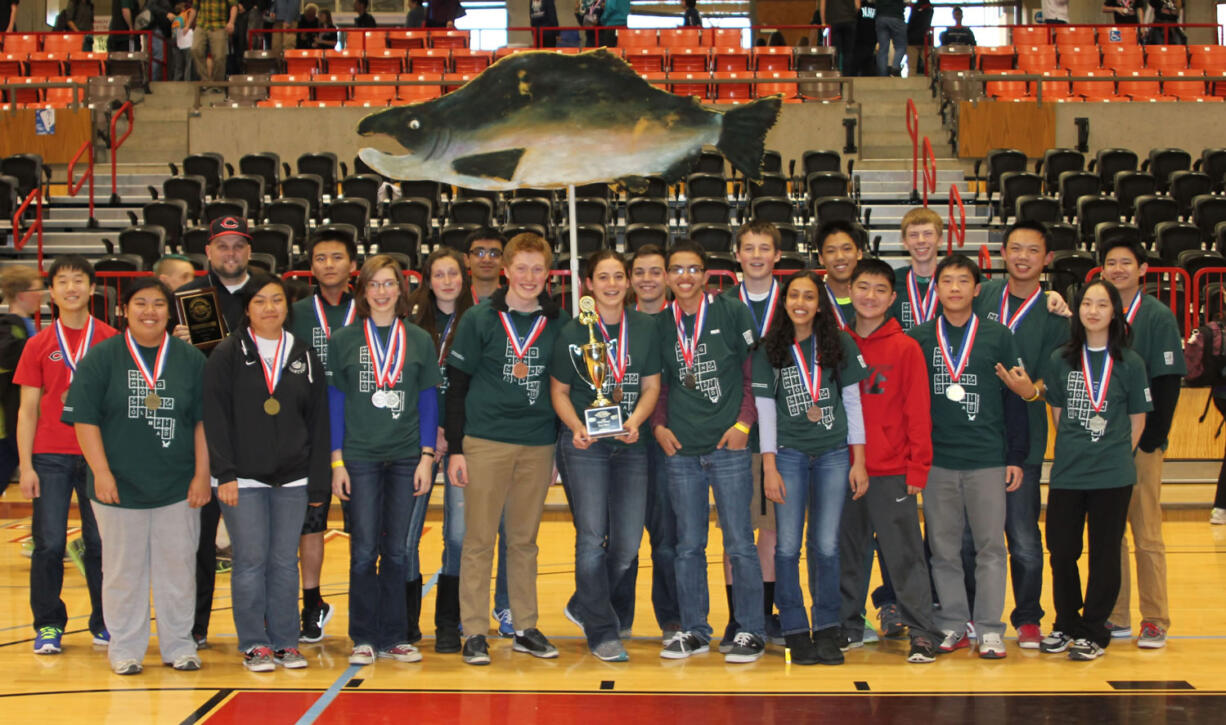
(228, 225)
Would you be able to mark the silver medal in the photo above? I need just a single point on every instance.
(391, 399)
(955, 392)
(378, 399)
(1098, 424)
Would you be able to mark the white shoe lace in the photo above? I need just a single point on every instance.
(742, 639)
(678, 637)
(992, 641)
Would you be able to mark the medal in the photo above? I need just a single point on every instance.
(323, 319)
(152, 401)
(689, 345)
(1098, 424)
(1133, 307)
(272, 373)
(814, 414)
(391, 399)
(618, 352)
(71, 359)
(1016, 320)
(378, 399)
(386, 362)
(838, 311)
(923, 308)
(1097, 392)
(810, 377)
(271, 406)
(769, 315)
(954, 391)
(521, 346)
(617, 394)
(689, 381)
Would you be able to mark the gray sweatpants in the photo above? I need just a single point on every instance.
(141, 547)
(953, 500)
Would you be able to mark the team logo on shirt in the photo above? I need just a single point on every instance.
(706, 372)
(297, 367)
(366, 384)
(941, 380)
(531, 383)
(319, 341)
(1078, 406)
(799, 400)
(139, 390)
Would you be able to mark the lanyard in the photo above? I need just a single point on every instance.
(323, 319)
(619, 359)
(957, 366)
(1028, 304)
(387, 362)
(769, 315)
(922, 309)
(689, 345)
(72, 359)
(272, 375)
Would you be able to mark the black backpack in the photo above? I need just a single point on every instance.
(1205, 355)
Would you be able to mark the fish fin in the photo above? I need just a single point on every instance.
(743, 136)
(681, 169)
(634, 184)
(494, 165)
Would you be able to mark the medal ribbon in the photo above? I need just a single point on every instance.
(1133, 307)
(323, 319)
(272, 377)
(921, 309)
(1016, 320)
(71, 359)
(159, 363)
(689, 345)
(387, 363)
(810, 378)
(956, 367)
(767, 318)
(617, 364)
(838, 311)
(1096, 401)
(521, 345)
(442, 340)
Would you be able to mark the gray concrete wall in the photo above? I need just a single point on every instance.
(1141, 126)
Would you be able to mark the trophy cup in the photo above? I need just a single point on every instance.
(603, 418)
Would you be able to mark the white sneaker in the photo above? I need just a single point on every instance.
(970, 631)
(991, 646)
(1218, 517)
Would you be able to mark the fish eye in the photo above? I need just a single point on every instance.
(414, 124)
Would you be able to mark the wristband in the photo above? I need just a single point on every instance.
(1034, 397)
(338, 463)
(742, 427)
(428, 453)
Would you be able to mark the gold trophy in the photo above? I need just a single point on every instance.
(603, 418)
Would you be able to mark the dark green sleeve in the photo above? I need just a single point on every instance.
(764, 379)
(559, 367)
(1165, 346)
(853, 369)
(1139, 398)
(743, 328)
(651, 363)
(1053, 374)
(465, 351)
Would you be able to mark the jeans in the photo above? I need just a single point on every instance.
(453, 539)
(418, 507)
(607, 487)
(264, 529)
(59, 475)
(816, 486)
(728, 473)
(380, 500)
(206, 565)
(662, 532)
(890, 30)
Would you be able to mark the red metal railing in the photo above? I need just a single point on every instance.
(1202, 282)
(930, 170)
(75, 187)
(1174, 289)
(912, 118)
(116, 143)
(20, 238)
(985, 260)
(957, 227)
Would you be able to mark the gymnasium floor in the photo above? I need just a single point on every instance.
(1184, 683)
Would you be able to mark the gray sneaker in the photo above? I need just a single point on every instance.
(259, 659)
(1152, 636)
(535, 644)
(186, 663)
(611, 651)
(1055, 643)
(746, 647)
(290, 658)
(126, 667)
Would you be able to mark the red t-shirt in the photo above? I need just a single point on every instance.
(42, 366)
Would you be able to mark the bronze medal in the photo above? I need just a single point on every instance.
(617, 394)
(814, 414)
(152, 401)
(690, 381)
(520, 370)
(272, 406)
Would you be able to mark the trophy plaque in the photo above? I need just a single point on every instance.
(200, 311)
(603, 418)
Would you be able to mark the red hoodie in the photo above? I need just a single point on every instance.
(894, 399)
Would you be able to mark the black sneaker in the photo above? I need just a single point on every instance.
(682, 645)
(535, 644)
(313, 621)
(746, 647)
(923, 651)
(828, 643)
(1055, 643)
(447, 640)
(800, 648)
(1084, 650)
(476, 651)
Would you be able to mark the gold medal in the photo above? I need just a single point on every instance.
(690, 381)
(152, 401)
(520, 370)
(814, 414)
(272, 406)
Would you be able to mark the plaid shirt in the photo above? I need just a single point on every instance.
(213, 14)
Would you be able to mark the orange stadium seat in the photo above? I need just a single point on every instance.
(61, 43)
(12, 64)
(286, 96)
(452, 81)
(1191, 87)
(690, 59)
(406, 39)
(730, 59)
(25, 43)
(991, 59)
(374, 40)
(772, 57)
(956, 57)
(1121, 57)
(81, 63)
(26, 96)
(46, 64)
(1166, 57)
(680, 37)
(420, 93)
(387, 61)
(723, 37)
(1207, 57)
(637, 37)
(1141, 90)
(448, 38)
(1031, 35)
(335, 94)
(781, 82)
(344, 61)
(1073, 35)
(726, 92)
(372, 95)
(355, 40)
(646, 60)
(1077, 58)
(1005, 89)
(303, 62)
(63, 97)
(429, 60)
(1036, 58)
(1097, 91)
(464, 60)
(1054, 91)
(504, 51)
(693, 84)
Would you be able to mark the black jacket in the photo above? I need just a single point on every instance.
(244, 440)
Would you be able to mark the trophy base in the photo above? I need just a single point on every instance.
(604, 422)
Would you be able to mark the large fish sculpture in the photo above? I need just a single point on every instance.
(542, 119)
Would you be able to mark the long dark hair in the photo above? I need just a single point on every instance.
(424, 307)
(779, 339)
(1118, 331)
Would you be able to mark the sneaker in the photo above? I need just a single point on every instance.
(846, 642)
(505, 626)
(535, 644)
(891, 621)
(1119, 631)
(826, 645)
(923, 651)
(1217, 516)
(290, 658)
(259, 659)
(953, 641)
(574, 618)
(1029, 636)
(126, 667)
(870, 635)
(611, 650)
(725, 644)
(667, 634)
(201, 640)
(186, 663)
(746, 647)
(970, 631)
(362, 654)
(774, 631)
(682, 645)
(624, 633)
(476, 652)
(102, 638)
(1055, 643)
(991, 646)
(447, 640)
(1083, 650)
(403, 652)
(1152, 636)
(47, 642)
(313, 621)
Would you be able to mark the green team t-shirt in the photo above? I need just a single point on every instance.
(902, 310)
(1084, 458)
(970, 433)
(499, 406)
(1038, 333)
(643, 360)
(391, 432)
(700, 416)
(1155, 337)
(758, 312)
(792, 401)
(306, 322)
(152, 453)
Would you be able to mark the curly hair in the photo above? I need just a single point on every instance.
(779, 339)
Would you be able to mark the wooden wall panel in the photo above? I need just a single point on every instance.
(17, 135)
(989, 125)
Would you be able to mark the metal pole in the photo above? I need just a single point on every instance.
(574, 249)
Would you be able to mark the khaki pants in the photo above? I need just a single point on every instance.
(210, 42)
(514, 477)
(282, 41)
(1145, 521)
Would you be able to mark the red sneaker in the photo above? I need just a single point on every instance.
(1029, 636)
(954, 641)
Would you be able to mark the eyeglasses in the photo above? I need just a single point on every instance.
(678, 270)
(389, 285)
(483, 252)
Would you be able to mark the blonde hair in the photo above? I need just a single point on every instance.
(922, 215)
(15, 279)
(527, 242)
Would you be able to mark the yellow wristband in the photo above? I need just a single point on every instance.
(338, 463)
(742, 427)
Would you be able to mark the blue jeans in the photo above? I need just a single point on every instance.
(729, 475)
(815, 486)
(264, 529)
(662, 531)
(59, 475)
(380, 501)
(1025, 545)
(607, 486)
(453, 539)
(890, 30)
(417, 522)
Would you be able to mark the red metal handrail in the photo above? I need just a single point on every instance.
(1171, 291)
(124, 110)
(912, 118)
(930, 170)
(20, 239)
(985, 260)
(73, 188)
(1198, 284)
(956, 228)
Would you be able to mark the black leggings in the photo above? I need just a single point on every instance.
(1219, 500)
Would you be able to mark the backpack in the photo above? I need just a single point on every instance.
(1205, 355)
